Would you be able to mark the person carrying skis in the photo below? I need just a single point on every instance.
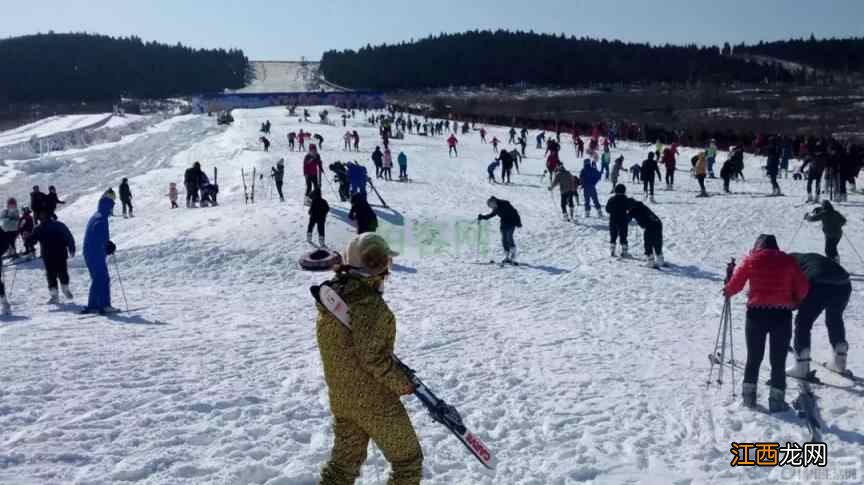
(278, 174)
(590, 177)
(649, 170)
(617, 207)
(9, 224)
(97, 247)
(652, 232)
(451, 143)
(777, 287)
(378, 161)
(51, 203)
(125, 197)
(832, 227)
(510, 221)
(506, 166)
(567, 185)
(318, 210)
(700, 171)
(313, 167)
(830, 290)
(364, 382)
(362, 214)
(402, 160)
(58, 246)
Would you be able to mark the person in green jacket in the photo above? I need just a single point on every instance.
(832, 227)
(363, 380)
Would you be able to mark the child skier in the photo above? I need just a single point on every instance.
(317, 217)
(617, 208)
(58, 246)
(172, 194)
(451, 143)
(832, 227)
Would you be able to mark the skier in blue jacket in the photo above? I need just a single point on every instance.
(590, 177)
(97, 247)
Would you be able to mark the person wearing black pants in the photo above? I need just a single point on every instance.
(649, 170)
(777, 286)
(510, 220)
(830, 290)
(5, 308)
(317, 217)
(652, 228)
(57, 246)
(617, 208)
(772, 168)
(278, 174)
(126, 197)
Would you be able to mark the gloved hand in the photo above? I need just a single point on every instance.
(110, 248)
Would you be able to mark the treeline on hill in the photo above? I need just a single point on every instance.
(504, 58)
(86, 67)
(839, 55)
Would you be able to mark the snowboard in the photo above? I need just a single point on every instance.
(440, 411)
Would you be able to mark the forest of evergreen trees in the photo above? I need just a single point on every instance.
(837, 55)
(503, 57)
(86, 67)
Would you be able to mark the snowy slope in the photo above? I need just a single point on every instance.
(50, 126)
(285, 77)
(574, 367)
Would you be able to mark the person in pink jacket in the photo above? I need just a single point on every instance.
(387, 164)
(451, 142)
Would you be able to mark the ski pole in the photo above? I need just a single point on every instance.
(14, 275)
(120, 280)
(795, 236)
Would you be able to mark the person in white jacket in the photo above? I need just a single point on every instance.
(9, 223)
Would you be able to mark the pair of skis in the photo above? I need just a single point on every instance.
(440, 411)
(249, 197)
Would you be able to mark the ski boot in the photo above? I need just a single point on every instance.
(321, 242)
(651, 198)
(838, 364)
(660, 260)
(512, 256)
(624, 252)
(651, 262)
(55, 297)
(612, 247)
(809, 199)
(309, 237)
(801, 369)
(748, 395)
(777, 401)
(66, 292)
(108, 310)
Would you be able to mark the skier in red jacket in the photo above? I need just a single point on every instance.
(451, 142)
(313, 167)
(777, 286)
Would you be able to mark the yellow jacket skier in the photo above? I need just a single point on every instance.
(362, 377)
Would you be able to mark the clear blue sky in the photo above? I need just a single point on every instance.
(286, 29)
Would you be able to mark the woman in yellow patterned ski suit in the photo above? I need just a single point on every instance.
(363, 379)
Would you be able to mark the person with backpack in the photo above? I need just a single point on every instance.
(510, 221)
(58, 246)
(777, 287)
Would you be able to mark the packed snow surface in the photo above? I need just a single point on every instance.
(50, 126)
(574, 367)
